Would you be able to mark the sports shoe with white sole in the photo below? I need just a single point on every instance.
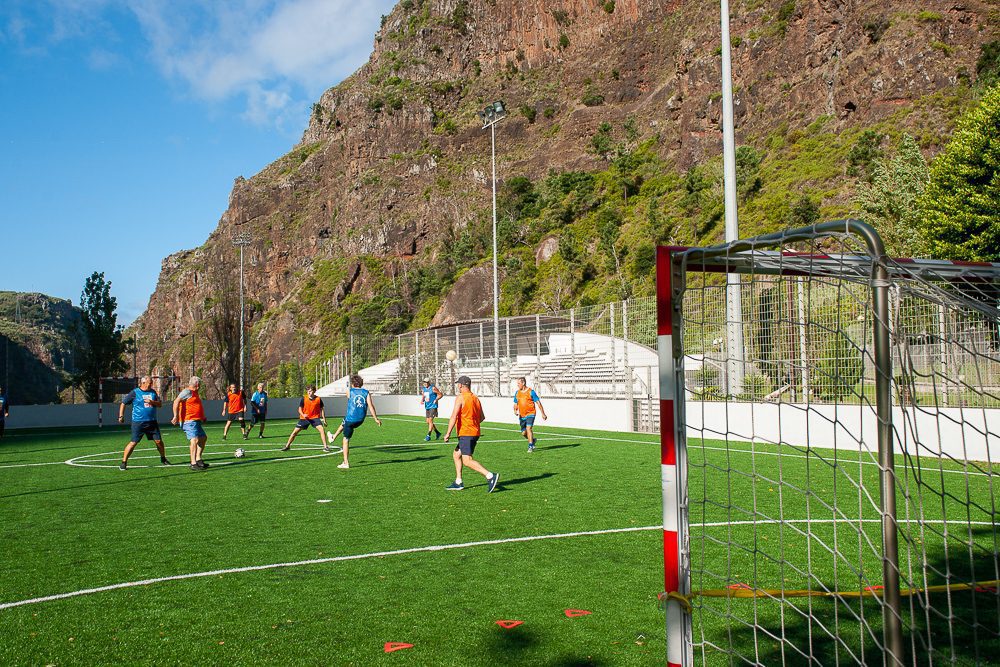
(454, 486)
(345, 466)
(491, 483)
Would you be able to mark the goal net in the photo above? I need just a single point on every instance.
(829, 423)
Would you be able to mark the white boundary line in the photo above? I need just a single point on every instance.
(437, 547)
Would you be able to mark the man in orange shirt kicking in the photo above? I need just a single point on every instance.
(467, 416)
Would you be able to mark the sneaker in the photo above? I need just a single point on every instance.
(286, 448)
(326, 449)
(454, 486)
(195, 466)
(260, 437)
(531, 447)
(427, 438)
(344, 465)
(225, 437)
(164, 461)
(437, 435)
(492, 482)
(201, 465)
(123, 466)
(246, 435)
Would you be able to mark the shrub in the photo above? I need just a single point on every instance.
(563, 40)
(755, 387)
(840, 369)
(529, 112)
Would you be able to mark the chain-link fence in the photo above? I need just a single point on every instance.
(600, 351)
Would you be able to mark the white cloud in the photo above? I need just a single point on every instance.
(272, 54)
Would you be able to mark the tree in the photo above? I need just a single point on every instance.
(222, 323)
(103, 349)
(891, 202)
(962, 201)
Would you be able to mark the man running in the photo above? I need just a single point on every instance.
(429, 396)
(144, 401)
(234, 409)
(359, 404)
(467, 416)
(525, 400)
(190, 413)
(311, 413)
(258, 409)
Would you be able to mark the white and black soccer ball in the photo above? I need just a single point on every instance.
(240, 453)
(451, 355)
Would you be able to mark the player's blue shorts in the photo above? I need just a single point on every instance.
(150, 429)
(350, 426)
(526, 421)
(306, 423)
(193, 429)
(467, 444)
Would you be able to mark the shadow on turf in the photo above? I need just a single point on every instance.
(960, 627)
(391, 461)
(504, 482)
(547, 448)
(514, 646)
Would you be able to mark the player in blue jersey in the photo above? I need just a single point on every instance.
(258, 409)
(429, 396)
(144, 401)
(4, 410)
(359, 404)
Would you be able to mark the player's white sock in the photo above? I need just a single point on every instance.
(458, 480)
(489, 476)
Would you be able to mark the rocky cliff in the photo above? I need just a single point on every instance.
(369, 223)
(37, 336)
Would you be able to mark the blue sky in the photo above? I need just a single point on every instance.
(124, 122)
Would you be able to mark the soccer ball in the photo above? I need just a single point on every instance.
(240, 453)
(451, 355)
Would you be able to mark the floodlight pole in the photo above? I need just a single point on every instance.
(492, 115)
(242, 240)
(734, 300)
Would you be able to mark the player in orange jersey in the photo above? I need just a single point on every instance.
(234, 409)
(466, 417)
(311, 413)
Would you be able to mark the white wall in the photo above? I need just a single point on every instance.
(85, 414)
(602, 414)
(963, 433)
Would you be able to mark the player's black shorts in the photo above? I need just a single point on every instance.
(234, 416)
(467, 444)
(431, 412)
(305, 423)
(259, 417)
(150, 429)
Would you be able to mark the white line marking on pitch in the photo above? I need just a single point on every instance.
(28, 465)
(437, 547)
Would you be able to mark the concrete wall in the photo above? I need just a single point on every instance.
(963, 433)
(85, 414)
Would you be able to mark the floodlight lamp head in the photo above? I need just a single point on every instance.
(499, 109)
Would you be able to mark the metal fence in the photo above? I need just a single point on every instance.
(600, 351)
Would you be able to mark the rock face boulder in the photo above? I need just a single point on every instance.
(394, 164)
(471, 297)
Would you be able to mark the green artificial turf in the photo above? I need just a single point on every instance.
(68, 528)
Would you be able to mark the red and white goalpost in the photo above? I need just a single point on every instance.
(827, 468)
